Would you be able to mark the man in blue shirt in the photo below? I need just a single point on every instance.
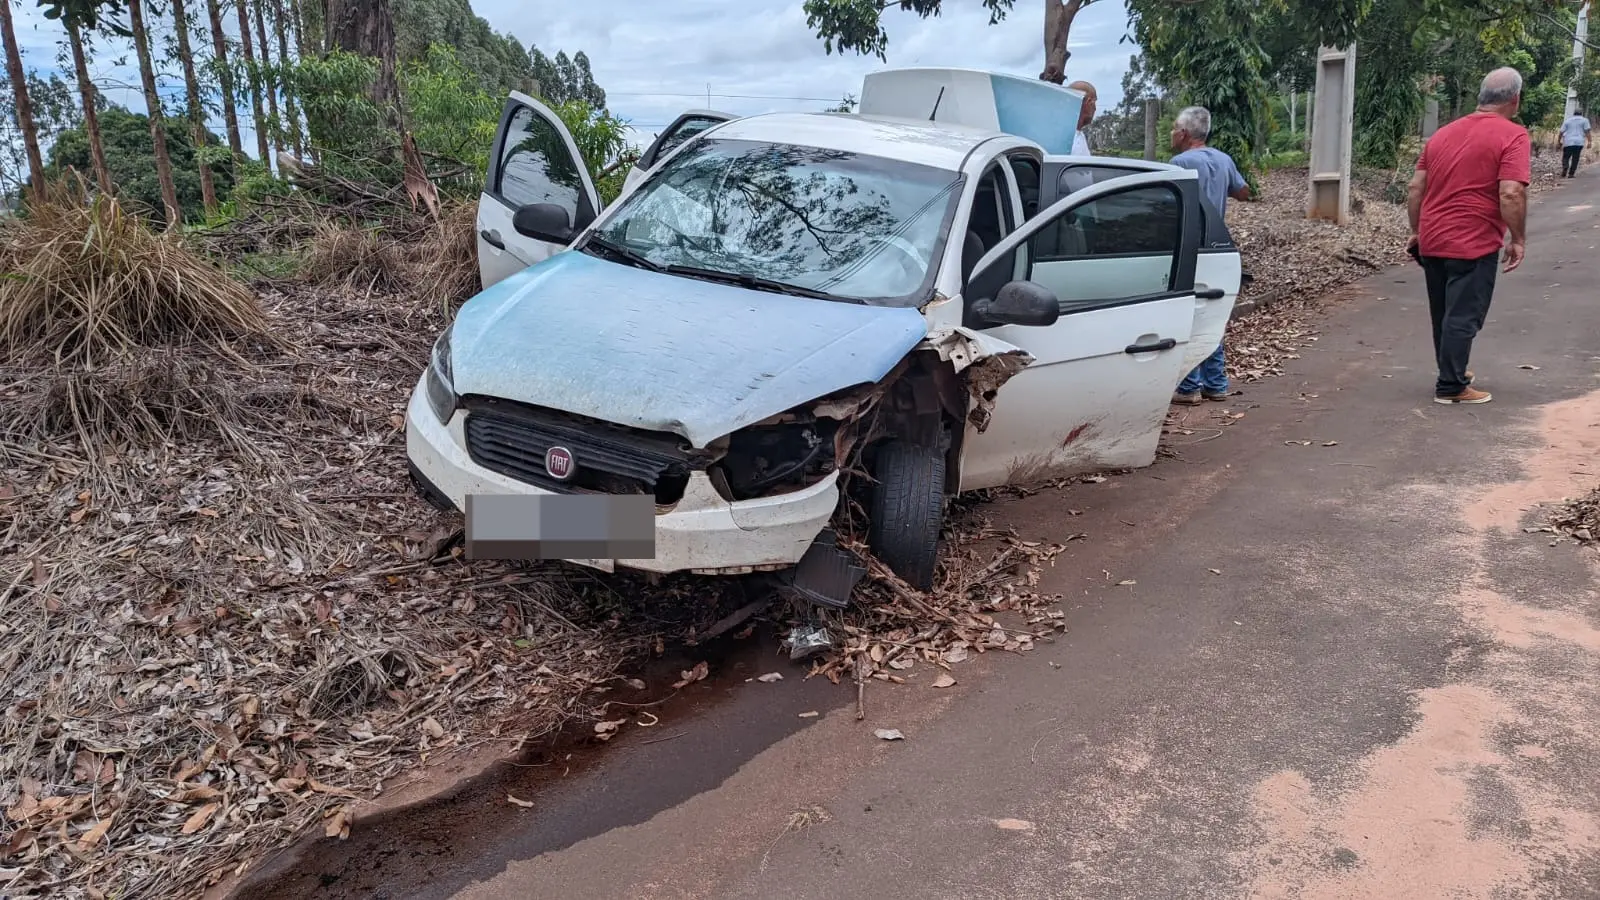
(1574, 137)
(1219, 179)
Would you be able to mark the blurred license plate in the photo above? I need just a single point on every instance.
(591, 527)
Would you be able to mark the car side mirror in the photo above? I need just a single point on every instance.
(1020, 303)
(544, 222)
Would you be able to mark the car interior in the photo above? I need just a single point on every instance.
(991, 221)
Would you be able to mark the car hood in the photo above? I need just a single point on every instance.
(666, 353)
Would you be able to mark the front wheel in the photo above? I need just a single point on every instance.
(908, 510)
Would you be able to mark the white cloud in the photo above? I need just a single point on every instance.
(657, 59)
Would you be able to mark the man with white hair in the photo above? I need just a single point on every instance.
(1219, 179)
(1469, 192)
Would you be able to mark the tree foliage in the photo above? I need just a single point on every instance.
(857, 25)
(55, 110)
(602, 141)
(131, 158)
(563, 79)
(498, 61)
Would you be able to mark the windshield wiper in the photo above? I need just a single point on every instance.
(755, 282)
(620, 253)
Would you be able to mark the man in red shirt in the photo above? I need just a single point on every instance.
(1470, 189)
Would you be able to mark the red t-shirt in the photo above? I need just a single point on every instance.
(1466, 160)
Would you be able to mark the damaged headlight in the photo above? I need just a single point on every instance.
(440, 379)
(769, 459)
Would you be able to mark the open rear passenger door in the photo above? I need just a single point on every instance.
(1120, 258)
(535, 160)
(1218, 269)
(671, 138)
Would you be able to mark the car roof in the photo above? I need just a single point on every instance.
(938, 145)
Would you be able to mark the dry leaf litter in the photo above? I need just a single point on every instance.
(1578, 519)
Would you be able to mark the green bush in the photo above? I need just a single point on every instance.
(131, 157)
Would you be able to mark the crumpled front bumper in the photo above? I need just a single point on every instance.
(702, 533)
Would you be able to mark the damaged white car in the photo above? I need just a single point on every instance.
(784, 297)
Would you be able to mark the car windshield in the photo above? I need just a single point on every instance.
(859, 228)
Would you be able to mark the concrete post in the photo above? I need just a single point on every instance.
(1579, 45)
(1430, 118)
(1152, 118)
(1332, 120)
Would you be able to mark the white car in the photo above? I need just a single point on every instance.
(781, 296)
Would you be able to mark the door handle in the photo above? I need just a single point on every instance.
(492, 238)
(1210, 294)
(1157, 347)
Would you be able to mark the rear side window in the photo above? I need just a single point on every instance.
(1076, 178)
(675, 138)
(1143, 221)
(536, 166)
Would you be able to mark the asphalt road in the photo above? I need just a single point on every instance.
(1385, 689)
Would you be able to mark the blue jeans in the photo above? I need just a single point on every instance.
(1211, 375)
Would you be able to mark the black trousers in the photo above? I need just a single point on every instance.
(1459, 291)
(1570, 156)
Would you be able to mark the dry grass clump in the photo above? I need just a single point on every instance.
(87, 282)
(435, 265)
(344, 255)
(447, 260)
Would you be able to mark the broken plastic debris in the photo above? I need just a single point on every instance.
(808, 640)
(1013, 824)
(770, 677)
(810, 715)
(889, 734)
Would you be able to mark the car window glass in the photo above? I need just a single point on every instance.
(1144, 221)
(853, 226)
(536, 166)
(1077, 177)
(1111, 248)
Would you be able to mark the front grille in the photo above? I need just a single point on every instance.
(512, 439)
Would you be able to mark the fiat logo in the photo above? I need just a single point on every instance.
(558, 462)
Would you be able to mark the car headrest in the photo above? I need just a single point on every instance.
(972, 250)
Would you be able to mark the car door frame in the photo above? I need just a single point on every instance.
(1180, 285)
(653, 154)
(496, 238)
(1219, 258)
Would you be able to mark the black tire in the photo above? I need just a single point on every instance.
(908, 510)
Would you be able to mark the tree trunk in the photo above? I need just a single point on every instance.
(19, 84)
(366, 28)
(197, 116)
(254, 75)
(297, 18)
(219, 47)
(152, 99)
(1058, 16)
(286, 61)
(91, 118)
(269, 78)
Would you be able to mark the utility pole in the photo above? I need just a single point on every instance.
(1152, 116)
(1579, 44)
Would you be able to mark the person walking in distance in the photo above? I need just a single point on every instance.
(1219, 179)
(1080, 143)
(1469, 191)
(1575, 136)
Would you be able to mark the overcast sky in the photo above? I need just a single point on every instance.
(657, 59)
